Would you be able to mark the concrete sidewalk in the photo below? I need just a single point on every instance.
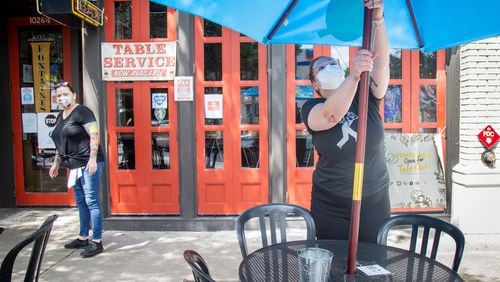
(157, 256)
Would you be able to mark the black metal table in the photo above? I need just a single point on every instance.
(280, 263)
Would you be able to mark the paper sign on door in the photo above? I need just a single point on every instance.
(213, 106)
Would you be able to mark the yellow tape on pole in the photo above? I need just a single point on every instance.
(357, 190)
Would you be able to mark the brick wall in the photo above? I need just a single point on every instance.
(479, 96)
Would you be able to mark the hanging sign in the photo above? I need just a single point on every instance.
(88, 12)
(183, 88)
(416, 172)
(138, 61)
(41, 75)
(488, 136)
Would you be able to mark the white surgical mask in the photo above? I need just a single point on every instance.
(330, 77)
(65, 101)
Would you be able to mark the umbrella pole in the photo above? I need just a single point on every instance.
(357, 189)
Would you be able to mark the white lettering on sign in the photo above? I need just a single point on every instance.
(488, 136)
(39, 20)
(138, 61)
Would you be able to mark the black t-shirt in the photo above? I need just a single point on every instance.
(71, 140)
(336, 149)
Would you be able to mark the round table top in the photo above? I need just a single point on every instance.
(279, 262)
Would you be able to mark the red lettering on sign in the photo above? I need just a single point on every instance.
(160, 47)
(118, 48)
(128, 50)
(107, 63)
(130, 63)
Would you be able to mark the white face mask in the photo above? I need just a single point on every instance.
(65, 101)
(330, 77)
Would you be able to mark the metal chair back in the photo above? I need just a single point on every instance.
(198, 266)
(427, 223)
(276, 214)
(39, 238)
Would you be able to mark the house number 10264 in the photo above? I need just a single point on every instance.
(39, 20)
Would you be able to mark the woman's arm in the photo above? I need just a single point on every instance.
(54, 169)
(326, 115)
(380, 73)
(93, 131)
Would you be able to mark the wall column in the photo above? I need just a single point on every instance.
(476, 187)
(186, 119)
(277, 123)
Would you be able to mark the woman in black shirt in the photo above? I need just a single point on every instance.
(76, 137)
(332, 121)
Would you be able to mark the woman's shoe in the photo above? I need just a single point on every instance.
(77, 244)
(92, 249)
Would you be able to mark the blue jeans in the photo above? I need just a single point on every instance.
(86, 191)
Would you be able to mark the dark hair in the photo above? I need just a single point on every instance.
(64, 83)
(311, 69)
(312, 76)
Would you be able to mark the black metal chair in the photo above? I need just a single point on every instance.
(276, 213)
(426, 223)
(39, 238)
(198, 266)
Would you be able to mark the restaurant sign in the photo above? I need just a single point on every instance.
(416, 173)
(138, 61)
(71, 12)
(87, 12)
(41, 74)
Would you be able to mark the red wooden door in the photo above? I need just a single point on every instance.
(142, 138)
(231, 120)
(32, 155)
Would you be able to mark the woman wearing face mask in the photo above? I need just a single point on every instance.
(76, 137)
(332, 121)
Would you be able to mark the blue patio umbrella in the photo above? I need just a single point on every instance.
(426, 25)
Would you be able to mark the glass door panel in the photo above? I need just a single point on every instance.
(37, 62)
(37, 158)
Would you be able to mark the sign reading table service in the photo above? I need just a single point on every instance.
(138, 61)
(488, 136)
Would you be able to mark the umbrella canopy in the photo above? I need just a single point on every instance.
(427, 25)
